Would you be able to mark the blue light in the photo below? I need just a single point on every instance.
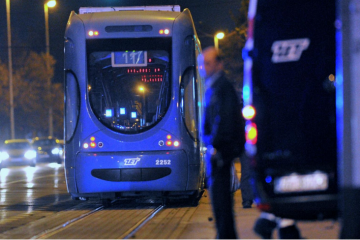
(339, 96)
(246, 92)
(268, 179)
(133, 114)
(108, 113)
(122, 111)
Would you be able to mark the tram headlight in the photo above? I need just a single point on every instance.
(165, 31)
(169, 142)
(30, 154)
(4, 156)
(92, 33)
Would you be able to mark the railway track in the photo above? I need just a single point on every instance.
(117, 221)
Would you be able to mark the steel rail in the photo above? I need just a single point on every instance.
(52, 230)
(128, 234)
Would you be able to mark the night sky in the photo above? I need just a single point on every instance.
(28, 23)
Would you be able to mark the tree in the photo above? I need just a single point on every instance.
(232, 45)
(4, 91)
(58, 109)
(4, 102)
(33, 100)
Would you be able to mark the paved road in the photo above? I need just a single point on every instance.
(33, 200)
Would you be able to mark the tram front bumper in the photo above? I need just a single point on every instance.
(132, 171)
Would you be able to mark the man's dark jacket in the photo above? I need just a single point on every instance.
(223, 123)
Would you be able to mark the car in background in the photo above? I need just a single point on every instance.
(49, 149)
(16, 152)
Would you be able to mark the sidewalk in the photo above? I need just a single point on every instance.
(201, 223)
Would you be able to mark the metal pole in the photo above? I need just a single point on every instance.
(12, 119)
(46, 11)
(216, 42)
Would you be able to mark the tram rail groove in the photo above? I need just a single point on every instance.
(126, 235)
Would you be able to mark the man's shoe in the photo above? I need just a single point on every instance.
(264, 227)
(290, 232)
(247, 204)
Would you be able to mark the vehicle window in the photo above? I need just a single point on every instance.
(129, 82)
(17, 145)
(44, 142)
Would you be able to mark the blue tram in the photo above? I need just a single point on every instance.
(133, 104)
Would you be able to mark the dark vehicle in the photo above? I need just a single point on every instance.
(16, 152)
(289, 83)
(49, 149)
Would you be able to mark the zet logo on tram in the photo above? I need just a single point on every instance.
(131, 161)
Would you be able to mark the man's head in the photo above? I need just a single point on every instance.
(212, 61)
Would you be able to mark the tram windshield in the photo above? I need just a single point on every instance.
(129, 82)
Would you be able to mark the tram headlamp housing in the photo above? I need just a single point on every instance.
(30, 154)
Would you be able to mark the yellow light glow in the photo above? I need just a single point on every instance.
(220, 35)
(51, 3)
(141, 89)
(248, 112)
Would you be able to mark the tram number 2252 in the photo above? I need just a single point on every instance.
(163, 162)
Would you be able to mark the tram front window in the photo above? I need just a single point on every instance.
(129, 82)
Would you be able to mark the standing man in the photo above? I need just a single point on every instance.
(223, 135)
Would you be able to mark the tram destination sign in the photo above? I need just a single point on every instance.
(129, 58)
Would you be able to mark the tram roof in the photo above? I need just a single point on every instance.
(169, 8)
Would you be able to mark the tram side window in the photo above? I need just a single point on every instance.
(188, 102)
(72, 104)
(129, 82)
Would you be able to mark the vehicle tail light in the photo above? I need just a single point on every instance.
(251, 133)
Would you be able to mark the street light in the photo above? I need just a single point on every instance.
(219, 35)
(50, 3)
(12, 118)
